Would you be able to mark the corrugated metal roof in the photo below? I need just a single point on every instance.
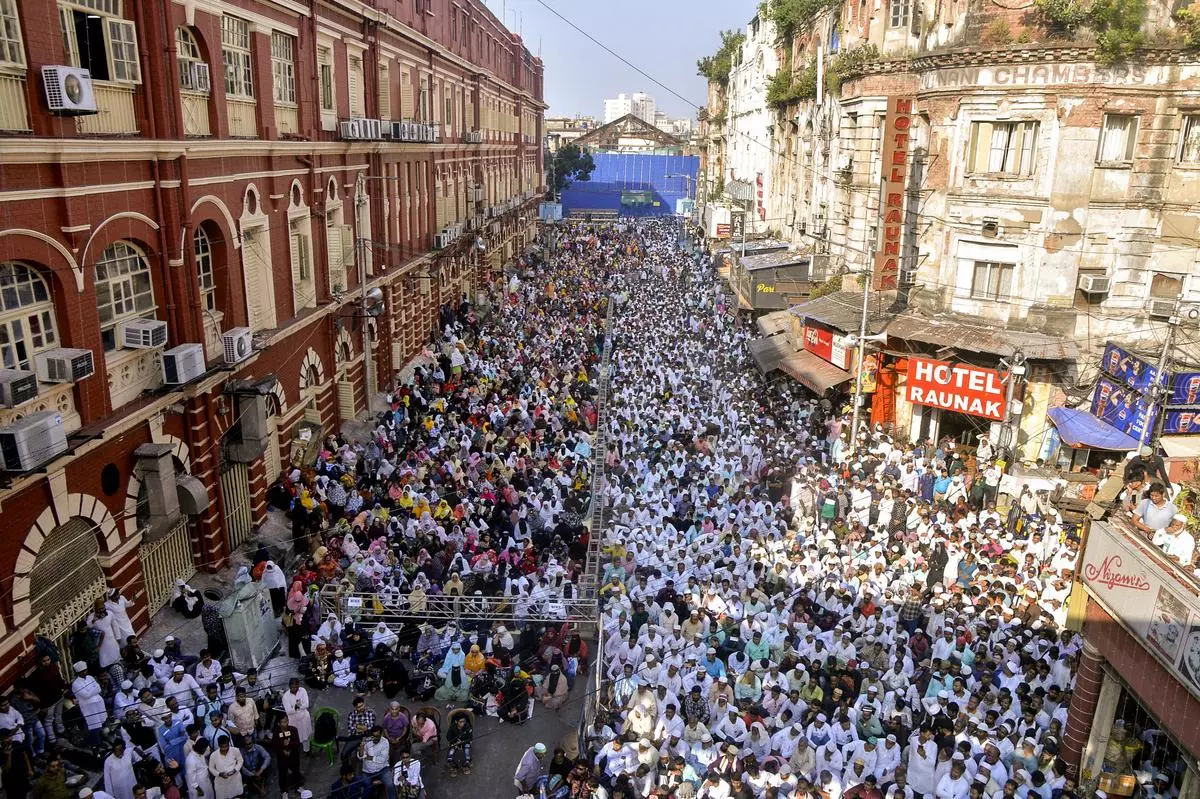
(842, 310)
(779, 258)
(775, 322)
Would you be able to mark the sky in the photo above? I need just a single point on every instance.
(662, 37)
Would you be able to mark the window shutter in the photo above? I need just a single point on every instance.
(355, 85)
(257, 288)
(345, 397)
(66, 21)
(123, 51)
(348, 245)
(385, 93)
(981, 146)
(333, 254)
(406, 95)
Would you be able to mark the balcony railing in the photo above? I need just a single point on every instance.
(195, 114)
(243, 118)
(115, 114)
(1150, 593)
(286, 119)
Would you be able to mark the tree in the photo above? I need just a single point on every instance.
(716, 67)
(568, 165)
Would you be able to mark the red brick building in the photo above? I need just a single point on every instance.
(261, 180)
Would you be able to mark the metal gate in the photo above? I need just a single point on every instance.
(165, 560)
(235, 496)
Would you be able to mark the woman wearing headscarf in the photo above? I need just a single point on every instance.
(455, 683)
(474, 662)
(553, 691)
(275, 582)
(383, 640)
(187, 600)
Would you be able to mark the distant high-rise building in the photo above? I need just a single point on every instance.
(639, 104)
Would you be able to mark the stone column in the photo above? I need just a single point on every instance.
(1082, 710)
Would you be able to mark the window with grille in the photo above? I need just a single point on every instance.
(11, 51)
(124, 289)
(202, 247)
(1005, 148)
(98, 39)
(283, 67)
(991, 281)
(26, 316)
(65, 571)
(1117, 138)
(325, 69)
(1189, 151)
(235, 54)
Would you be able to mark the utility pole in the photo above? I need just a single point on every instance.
(1016, 370)
(858, 371)
(1159, 387)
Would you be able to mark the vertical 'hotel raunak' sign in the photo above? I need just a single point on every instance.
(896, 129)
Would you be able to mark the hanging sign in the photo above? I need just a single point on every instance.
(959, 387)
(896, 127)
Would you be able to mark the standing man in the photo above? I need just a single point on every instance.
(295, 704)
(285, 749)
(91, 704)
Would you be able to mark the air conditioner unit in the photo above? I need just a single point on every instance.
(195, 76)
(410, 131)
(441, 241)
(435, 133)
(428, 133)
(396, 131)
(183, 364)
(62, 365)
(350, 129)
(69, 90)
(17, 386)
(143, 334)
(238, 344)
(1094, 284)
(477, 194)
(1161, 308)
(371, 128)
(31, 441)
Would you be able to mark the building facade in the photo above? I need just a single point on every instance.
(640, 104)
(293, 190)
(749, 126)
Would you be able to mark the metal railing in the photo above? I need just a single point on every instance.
(589, 581)
(164, 560)
(404, 608)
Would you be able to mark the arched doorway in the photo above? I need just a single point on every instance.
(65, 580)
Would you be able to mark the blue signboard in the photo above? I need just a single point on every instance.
(1177, 422)
(1128, 368)
(1185, 389)
(1119, 406)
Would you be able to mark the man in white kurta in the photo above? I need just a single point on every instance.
(225, 766)
(119, 778)
(295, 704)
(91, 704)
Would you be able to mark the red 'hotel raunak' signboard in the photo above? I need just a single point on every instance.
(896, 127)
(958, 387)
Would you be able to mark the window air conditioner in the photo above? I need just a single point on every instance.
(31, 441)
(183, 364)
(350, 129)
(62, 365)
(69, 90)
(1161, 308)
(17, 386)
(143, 334)
(1093, 284)
(238, 344)
(435, 133)
(441, 241)
(371, 128)
(194, 76)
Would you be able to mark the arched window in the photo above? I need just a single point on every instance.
(202, 247)
(124, 290)
(26, 316)
(193, 71)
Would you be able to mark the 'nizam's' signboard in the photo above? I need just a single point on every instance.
(958, 387)
(896, 128)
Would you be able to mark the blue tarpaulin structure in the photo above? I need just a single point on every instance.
(1079, 428)
(631, 174)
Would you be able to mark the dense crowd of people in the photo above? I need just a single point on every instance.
(786, 607)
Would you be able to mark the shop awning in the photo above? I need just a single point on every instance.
(769, 352)
(813, 372)
(1181, 446)
(775, 322)
(1079, 428)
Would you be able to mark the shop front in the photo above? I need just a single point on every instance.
(1134, 719)
(954, 400)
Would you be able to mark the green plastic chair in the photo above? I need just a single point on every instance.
(328, 747)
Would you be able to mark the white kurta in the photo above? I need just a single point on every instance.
(110, 644)
(91, 703)
(119, 778)
(218, 764)
(199, 782)
(296, 707)
(119, 610)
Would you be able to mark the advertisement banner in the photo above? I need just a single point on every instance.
(1119, 406)
(1185, 389)
(1178, 422)
(722, 230)
(896, 125)
(1128, 368)
(1137, 588)
(827, 345)
(870, 372)
(959, 387)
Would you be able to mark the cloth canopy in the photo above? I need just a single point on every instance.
(1079, 428)
(812, 371)
(769, 352)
